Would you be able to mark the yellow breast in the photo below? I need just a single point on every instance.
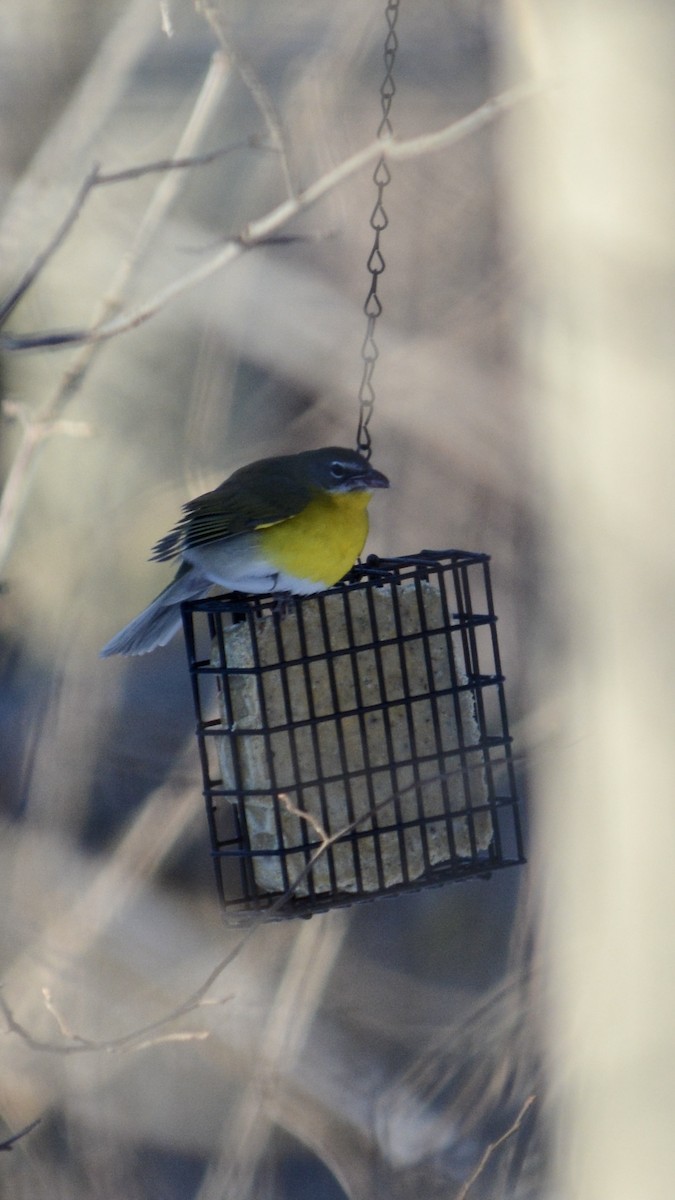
(321, 543)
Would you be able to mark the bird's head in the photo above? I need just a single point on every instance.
(337, 469)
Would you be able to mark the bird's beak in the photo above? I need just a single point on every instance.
(374, 479)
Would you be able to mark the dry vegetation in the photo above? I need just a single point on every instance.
(322, 1050)
(382, 1052)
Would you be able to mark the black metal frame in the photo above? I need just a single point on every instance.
(477, 761)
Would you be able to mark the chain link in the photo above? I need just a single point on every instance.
(378, 223)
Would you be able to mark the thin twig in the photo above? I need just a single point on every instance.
(254, 142)
(326, 840)
(63, 1027)
(490, 1150)
(279, 1044)
(98, 178)
(251, 80)
(10, 1142)
(10, 302)
(136, 1040)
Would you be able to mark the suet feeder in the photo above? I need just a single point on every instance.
(354, 744)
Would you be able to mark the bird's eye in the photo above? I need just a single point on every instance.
(338, 470)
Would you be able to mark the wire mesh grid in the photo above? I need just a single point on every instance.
(354, 744)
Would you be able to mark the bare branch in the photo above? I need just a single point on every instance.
(10, 1142)
(63, 1028)
(254, 142)
(186, 1035)
(260, 230)
(137, 1039)
(10, 302)
(490, 1150)
(165, 17)
(45, 417)
(255, 86)
(198, 999)
(98, 178)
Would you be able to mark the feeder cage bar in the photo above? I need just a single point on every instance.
(354, 744)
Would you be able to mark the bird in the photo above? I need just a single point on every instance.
(292, 524)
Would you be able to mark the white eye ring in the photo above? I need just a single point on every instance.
(338, 470)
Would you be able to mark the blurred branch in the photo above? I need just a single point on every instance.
(257, 232)
(98, 178)
(254, 142)
(254, 234)
(186, 1035)
(249, 77)
(279, 1046)
(10, 1142)
(10, 302)
(490, 1150)
(44, 418)
(113, 888)
(77, 129)
(138, 1040)
(160, 825)
(165, 16)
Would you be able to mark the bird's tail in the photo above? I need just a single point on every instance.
(158, 623)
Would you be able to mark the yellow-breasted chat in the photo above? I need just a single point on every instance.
(295, 523)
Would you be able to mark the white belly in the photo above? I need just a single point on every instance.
(236, 566)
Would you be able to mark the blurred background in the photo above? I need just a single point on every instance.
(391, 1049)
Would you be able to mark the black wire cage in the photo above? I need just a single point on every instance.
(354, 744)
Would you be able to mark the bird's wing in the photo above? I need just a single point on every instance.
(229, 510)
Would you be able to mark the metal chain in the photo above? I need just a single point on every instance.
(378, 223)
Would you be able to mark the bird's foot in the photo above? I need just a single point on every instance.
(282, 604)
